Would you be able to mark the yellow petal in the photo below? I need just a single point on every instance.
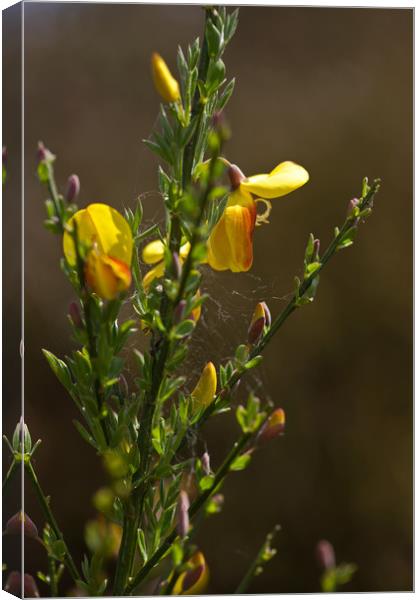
(107, 276)
(166, 85)
(154, 273)
(153, 252)
(285, 178)
(230, 243)
(204, 391)
(102, 226)
(194, 580)
(184, 250)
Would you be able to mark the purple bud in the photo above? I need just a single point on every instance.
(205, 463)
(75, 316)
(218, 120)
(218, 499)
(179, 311)
(325, 554)
(255, 330)
(176, 265)
(183, 524)
(30, 589)
(14, 526)
(73, 188)
(317, 245)
(13, 584)
(4, 155)
(236, 176)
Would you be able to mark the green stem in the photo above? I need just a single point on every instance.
(52, 573)
(52, 187)
(194, 509)
(68, 560)
(9, 474)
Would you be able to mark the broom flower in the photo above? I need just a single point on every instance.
(204, 391)
(194, 579)
(230, 245)
(107, 235)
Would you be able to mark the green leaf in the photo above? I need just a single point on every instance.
(241, 462)
(59, 368)
(348, 239)
(254, 362)
(43, 172)
(141, 541)
(183, 329)
(85, 434)
(206, 482)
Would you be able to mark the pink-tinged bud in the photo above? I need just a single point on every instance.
(14, 526)
(273, 427)
(317, 245)
(176, 265)
(205, 463)
(179, 311)
(4, 156)
(267, 314)
(352, 205)
(73, 188)
(75, 316)
(183, 524)
(236, 176)
(43, 153)
(30, 589)
(218, 500)
(325, 554)
(13, 584)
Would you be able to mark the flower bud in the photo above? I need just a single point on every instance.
(325, 554)
(352, 205)
(194, 580)
(75, 316)
(166, 85)
(260, 319)
(176, 265)
(179, 311)
(13, 585)
(14, 526)
(30, 589)
(273, 427)
(205, 463)
(204, 391)
(43, 153)
(4, 156)
(317, 245)
(183, 524)
(73, 188)
(235, 175)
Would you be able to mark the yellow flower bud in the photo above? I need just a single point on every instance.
(166, 85)
(205, 389)
(194, 580)
(273, 427)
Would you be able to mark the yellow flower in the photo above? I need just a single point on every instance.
(204, 391)
(165, 83)
(194, 580)
(107, 233)
(230, 243)
(153, 254)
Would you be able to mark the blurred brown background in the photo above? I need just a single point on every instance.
(332, 90)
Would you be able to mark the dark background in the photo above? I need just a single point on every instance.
(332, 90)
